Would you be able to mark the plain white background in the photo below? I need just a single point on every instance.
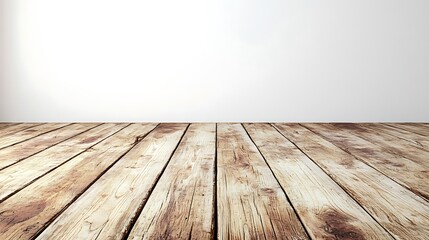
(226, 60)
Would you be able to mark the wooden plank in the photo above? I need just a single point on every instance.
(17, 127)
(398, 210)
(23, 173)
(415, 139)
(414, 175)
(27, 212)
(181, 205)
(18, 152)
(326, 211)
(6, 125)
(412, 128)
(106, 210)
(387, 143)
(28, 133)
(250, 201)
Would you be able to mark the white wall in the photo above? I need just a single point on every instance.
(220, 60)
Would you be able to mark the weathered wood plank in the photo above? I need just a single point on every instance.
(415, 139)
(325, 209)
(17, 127)
(181, 205)
(106, 210)
(414, 175)
(251, 203)
(6, 125)
(412, 128)
(27, 212)
(401, 212)
(18, 152)
(23, 173)
(387, 143)
(28, 133)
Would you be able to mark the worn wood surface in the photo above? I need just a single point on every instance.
(326, 210)
(18, 152)
(214, 181)
(383, 157)
(181, 205)
(28, 133)
(23, 173)
(249, 198)
(404, 214)
(15, 128)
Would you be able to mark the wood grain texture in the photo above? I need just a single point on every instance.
(388, 143)
(417, 129)
(28, 133)
(106, 209)
(26, 213)
(325, 209)
(378, 194)
(6, 125)
(181, 205)
(23, 173)
(18, 152)
(11, 129)
(250, 202)
(415, 139)
(414, 174)
(208, 181)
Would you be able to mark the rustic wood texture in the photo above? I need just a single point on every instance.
(420, 129)
(326, 210)
(105, 215)
(415, 139)
(381, 156)
(15, 128)
(25, 213)
(18, 152)
(23, 173)
(28, 133)
(214, 181)
(250, 200)
(404, 214)
(181, 205)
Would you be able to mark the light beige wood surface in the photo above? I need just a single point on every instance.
(25, 213)
(15, 128)
(107, 208)
(213, 181)
(420, 129)
(181, 205)
(18, 152)
(404, 214)
(325, 209)
(6, 125)
(28, 133)
(23, 173)
(414, 174)
(249, 198)
(415, 139)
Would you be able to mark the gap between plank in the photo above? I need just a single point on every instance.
(332, 178)
(140, 208)
(215, 234)
(41, 229)
(83, 151)
(287, 197)
(360, 160)
(49, 146)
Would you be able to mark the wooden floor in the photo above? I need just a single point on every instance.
(207, 181)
